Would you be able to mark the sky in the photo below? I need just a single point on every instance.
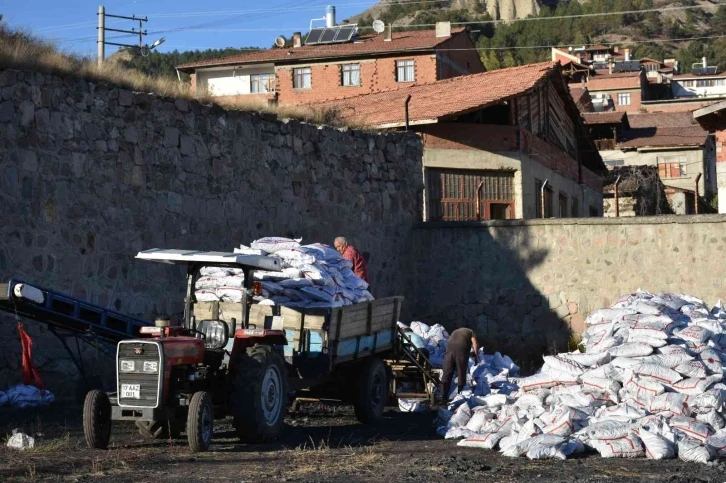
(186, 24)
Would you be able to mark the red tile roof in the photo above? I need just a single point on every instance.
(365, 45)
(622, 80)
(663, 137)
(661, 119)
(435, 100)
(610, 117)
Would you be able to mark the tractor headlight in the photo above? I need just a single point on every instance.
(151, 367)
(128, 366)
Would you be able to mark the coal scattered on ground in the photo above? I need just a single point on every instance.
(319, 444)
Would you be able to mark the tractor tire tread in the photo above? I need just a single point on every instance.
(97, 419)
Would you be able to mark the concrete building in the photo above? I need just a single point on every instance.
(690, 85)
(494, 144)
(351, 66)
(682, 151)
(618, 92)
(713, 118)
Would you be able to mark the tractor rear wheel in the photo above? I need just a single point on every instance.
(259, 394)
(159, 429)
(200, 422)
(371, 392)
(97, 419)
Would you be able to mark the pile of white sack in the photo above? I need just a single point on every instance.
(313, 276)
(22, 396)
(647, 384)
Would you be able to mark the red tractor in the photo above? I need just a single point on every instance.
(179, 378)
(242, 362)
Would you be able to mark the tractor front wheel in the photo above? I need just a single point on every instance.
(97, 419)
(200, 422)
(259, 394)
(371, 392)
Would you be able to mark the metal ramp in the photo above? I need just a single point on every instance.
(67, 313)
(410, 366)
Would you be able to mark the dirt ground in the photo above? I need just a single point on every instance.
(318, 444)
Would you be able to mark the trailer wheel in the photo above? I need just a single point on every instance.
(371, 392)
(259, 394)
(97, 419)
(200, 422)
(159, 429)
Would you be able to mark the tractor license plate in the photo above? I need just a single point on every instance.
(131, 391)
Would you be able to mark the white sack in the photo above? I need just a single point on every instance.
(694, 451)
(691, 369)
(628, 446)
(634, 349)
(690, 427)
(656, 446)
(659, 373)
(671, 402)
(274, 244)
(694, 386)
(524, 446)
(486, 441)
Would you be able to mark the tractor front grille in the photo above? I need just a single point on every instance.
(149, 384)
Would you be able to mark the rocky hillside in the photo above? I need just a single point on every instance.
(497, 9)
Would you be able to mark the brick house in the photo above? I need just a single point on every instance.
(623, 91)
(494, 143)
(308, 73)
(713, 118)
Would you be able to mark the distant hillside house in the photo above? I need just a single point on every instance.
(319, 69)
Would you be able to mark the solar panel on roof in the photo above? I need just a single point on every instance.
(314, 36)
(345, 33)
(329, 35)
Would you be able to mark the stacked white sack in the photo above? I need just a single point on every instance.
(313, 276)
(648, 384)
(493, 371)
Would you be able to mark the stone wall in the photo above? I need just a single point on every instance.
(91, 174)
(526, 286)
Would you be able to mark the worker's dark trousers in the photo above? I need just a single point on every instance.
(455, 357)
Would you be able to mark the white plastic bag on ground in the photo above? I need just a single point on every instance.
(485, 440)
(634, 349)
(21, 442)
(524, 446)
(672, 402)
(628, 446)
(690, 427)
(693, 386)
(717, 443)
(656, 446)
(694, 450)
(691, 369)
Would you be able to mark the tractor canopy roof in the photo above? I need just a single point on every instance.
(194, 257)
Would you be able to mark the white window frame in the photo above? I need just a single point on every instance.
(350, 75)
(264, 81)
(406, 70)
(624, 96)
(304, 73)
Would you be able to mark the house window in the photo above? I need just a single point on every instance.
(405, 71)
(672, 166)
(574, 208)
(563, 206)
(302, 78)
(465, 195)
(260, 83)
(624, 99)
(350, 74)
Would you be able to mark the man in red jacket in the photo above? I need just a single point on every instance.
(353, 256)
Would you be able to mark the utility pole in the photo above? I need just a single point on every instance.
(101, 34)
(102, 29)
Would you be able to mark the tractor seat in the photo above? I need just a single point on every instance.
(214, 332)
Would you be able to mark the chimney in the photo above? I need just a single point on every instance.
(705, 64)
(610, 67)
(330, 16)
(387, 34)
(443, 29)
(297, 40)
(616, 49)
(627, 54)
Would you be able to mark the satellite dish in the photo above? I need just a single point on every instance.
(379, 26)
(280, 41)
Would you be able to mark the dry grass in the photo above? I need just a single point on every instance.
(19, 50)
